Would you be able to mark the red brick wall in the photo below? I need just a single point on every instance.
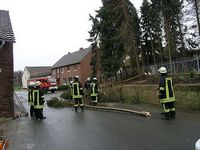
(6, 81)
(83, 70)
(69, 73)
(86, 68)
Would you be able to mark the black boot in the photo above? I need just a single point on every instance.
(76, 109)
(168, 116)
(173, 114)
(162, 113)
(82, 108)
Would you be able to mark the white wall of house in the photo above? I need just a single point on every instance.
(25, 77)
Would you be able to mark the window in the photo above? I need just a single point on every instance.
(68, 68)
(63, 70)
(70, 79)
(75, 68)
(64, 81)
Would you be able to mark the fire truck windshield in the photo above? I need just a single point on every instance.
(52, 80)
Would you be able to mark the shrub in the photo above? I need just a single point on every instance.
(55, 102)
(191, 74)
(66, 95)
(52, 102)
(63, 87)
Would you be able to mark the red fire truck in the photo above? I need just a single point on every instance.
(46, 83)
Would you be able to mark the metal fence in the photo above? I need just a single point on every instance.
(180, 66)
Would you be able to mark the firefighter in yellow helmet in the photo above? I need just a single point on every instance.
(30, 98)
(38, 100)
(77, 94)
(166, 94)
(94, 91)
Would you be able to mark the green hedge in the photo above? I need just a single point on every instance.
(63, 87)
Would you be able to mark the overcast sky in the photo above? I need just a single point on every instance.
(45, 30)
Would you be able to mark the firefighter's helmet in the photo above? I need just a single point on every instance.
(38, 83)
(76, 77)
(162, 70)
(95, 79)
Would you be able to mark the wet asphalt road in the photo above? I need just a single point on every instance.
(100, 130)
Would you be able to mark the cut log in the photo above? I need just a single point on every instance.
(143, 113)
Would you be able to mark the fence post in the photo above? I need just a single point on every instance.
(198, 63)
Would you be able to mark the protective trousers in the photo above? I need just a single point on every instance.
(169, 110)
(94, 100)
(78, 102)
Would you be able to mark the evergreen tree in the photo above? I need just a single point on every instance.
(197, 10)
(94, 32)
(117, 33)
(111, 46)
(190, 34)
(147, 29)
(128, 29)
(170, 9)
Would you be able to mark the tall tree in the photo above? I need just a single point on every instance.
(111, 46)
(189, 25)
(170, 10)
(157, 25)
(147, 29)
(128, 22)
(116, 28)
(197, 6)
(94, 32)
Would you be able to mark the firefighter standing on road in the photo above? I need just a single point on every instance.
(38, 100)
(94, 91)
(77, 93)
(166, 94)
(30, 99)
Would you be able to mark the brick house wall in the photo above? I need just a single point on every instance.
(85, 68)
(67, 73)
(6, 80)
(72, 64)
(82, 69)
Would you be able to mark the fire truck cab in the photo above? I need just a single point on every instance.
(46, 83)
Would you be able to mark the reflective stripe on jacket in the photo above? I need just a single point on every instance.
(30, 97)
(166, 90)
(77, 90)
(38, 99)
(94, 89)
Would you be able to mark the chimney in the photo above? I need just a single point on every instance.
(68, 53)
(81, 48)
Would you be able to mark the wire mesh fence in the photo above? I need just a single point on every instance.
(181, 66)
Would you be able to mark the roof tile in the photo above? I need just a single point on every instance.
(6, 32)
(72, 58)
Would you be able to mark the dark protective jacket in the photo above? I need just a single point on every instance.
(166, 90)
(77, 90)
(38, 98)
(87, 85)
(30, 96)
(94, 89)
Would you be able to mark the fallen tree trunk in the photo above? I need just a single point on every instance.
(142, 113)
